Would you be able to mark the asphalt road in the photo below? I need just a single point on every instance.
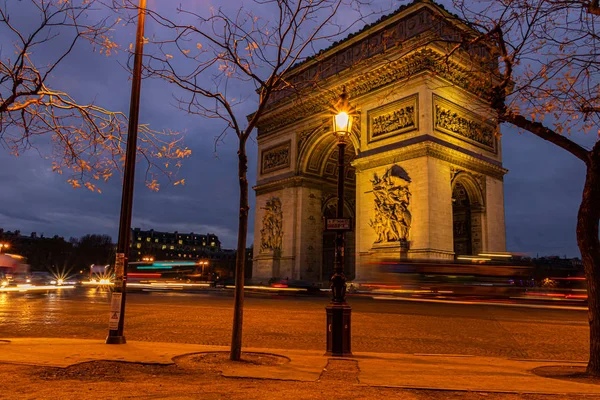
(299, 323)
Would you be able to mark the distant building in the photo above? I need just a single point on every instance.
(186, 246)
(172, 245)
(41, 252)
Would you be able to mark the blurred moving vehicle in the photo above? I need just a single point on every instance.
(303, 286)
(101, 274)
(457, 278)
(14, 270)
(42, 278)
(176, 271)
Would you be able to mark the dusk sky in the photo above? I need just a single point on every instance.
(542, 189)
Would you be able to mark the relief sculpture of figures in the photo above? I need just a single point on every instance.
(395, 120)
(392, 199)
(272, 230)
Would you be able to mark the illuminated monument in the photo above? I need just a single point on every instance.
(425, 175)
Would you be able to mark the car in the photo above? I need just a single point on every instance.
(308, 287)
(40, 278)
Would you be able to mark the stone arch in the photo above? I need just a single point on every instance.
(330, 203)
(474, 188)
(318, 162)
(468, 214)
(317, 145)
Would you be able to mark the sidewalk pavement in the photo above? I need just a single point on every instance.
(414, 371)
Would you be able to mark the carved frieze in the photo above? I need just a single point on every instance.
(271, 233)
(276, 158)
(392, 219)
(425, 60)
(390, 36)
(454, 120)
(393, 119)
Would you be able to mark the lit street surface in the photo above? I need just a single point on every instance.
(298, 322)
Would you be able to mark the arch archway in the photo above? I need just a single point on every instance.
(318, 162)
(467, 215)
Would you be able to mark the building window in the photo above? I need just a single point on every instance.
(138, 245)
(180, 241)
(164, 247)
(172, 247)
(155, 240)
(212, 244)
(147, 239)
(139, 239)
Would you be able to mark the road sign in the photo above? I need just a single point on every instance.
(338, 224)
(115, 311)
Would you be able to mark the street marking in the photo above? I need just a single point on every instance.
(481, 303)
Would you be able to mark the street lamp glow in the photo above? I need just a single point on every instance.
(342, 120)
(342, 123)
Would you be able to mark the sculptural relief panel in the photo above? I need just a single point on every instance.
(276, 158)
(393, 119)
(392, 219)
(456, 121)
(271, 233)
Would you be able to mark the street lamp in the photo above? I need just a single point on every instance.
(117, 307)
(3, 247)
(338, 311)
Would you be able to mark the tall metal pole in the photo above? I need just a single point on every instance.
(117, 310)
(338, 280)
(338, 311)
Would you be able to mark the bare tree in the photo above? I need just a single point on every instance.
(215, 56)
(86, 139)
(548, 84)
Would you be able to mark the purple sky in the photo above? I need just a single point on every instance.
(542, 189)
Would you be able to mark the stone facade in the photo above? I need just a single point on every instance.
(425, 175)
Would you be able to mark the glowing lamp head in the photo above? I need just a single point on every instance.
(342, 121)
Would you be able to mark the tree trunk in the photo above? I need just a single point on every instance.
(240, 260)
(589, 245)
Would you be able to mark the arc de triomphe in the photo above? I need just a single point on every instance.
(425, 179)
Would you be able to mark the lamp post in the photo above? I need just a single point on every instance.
(338, 311)
(3, 247)
(117, 308)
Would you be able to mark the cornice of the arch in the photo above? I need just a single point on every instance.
(300, 180)
(435, 150)
(426, 60)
